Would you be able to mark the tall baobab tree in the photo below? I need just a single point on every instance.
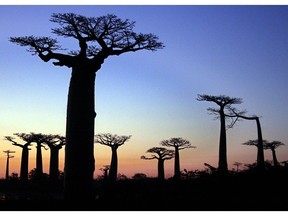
(272, 146)
(98, 38)
(8, 152)
(224, 102)
(161, 154)
(28, 139)
(39, 139)
(256, 143)
(113, 141)
(178, 144)
(55, 143)
(260, 149)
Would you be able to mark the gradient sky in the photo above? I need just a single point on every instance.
(239, 51)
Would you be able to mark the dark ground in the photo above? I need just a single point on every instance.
(236, 192)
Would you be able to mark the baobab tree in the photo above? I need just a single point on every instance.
(98, 38)
(28, 139)
(39, 139)
(55, 143)
(161, 154)
(8, 152)
(178, 144)
(224, 102)
(260, 149)
(272, 146)
(113, 141)
(256, 143)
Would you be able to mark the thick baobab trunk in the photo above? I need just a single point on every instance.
(39, 163)
(177, 164)
(275, 161)
(54, 164)
(161, 169)
(113, 165)
(24, 164)
(260, 150)
(79, 150)
(222, 164)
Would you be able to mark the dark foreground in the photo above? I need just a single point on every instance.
(236, 192)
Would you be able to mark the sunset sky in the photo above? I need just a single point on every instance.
(239, 51)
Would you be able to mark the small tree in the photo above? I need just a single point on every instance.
(138, 176)
(178, 144)
(105, 170)
(272, 146)
(8, 152)
(224, 102)
(161, 154)
(237, 164)
(113, 141)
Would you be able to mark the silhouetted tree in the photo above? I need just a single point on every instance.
(224, 103)
(138, 176)
(39, 139)
(28, 139)
(8, 152)
(113, 141)
(161, 154)
(260, 149)
(259, 160)
(105, 170)
(178, 144)
(237, 164)
(55, 143)
(272, 146)
(98, 39)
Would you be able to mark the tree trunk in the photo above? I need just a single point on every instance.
(275, 161)
(24, 164)
(113, 165)
(161, 169)
(222, 164)
(79, 150)
(39, 163)
(177, 164)
(260, 150)
(54, 164)
(7, 168)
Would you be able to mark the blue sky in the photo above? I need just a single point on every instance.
(240, 51)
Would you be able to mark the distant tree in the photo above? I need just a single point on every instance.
(98, 38)
(161, 154)
(237, 164)
(138, 176)
(8, 152)
(28, 139)
(113, 141)
(255, 143)
(178, 144)
(39, 139)
(122, 177)
(272, 146)
(225, 103)
(105, 170)
(260, 149)
(55, 143)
